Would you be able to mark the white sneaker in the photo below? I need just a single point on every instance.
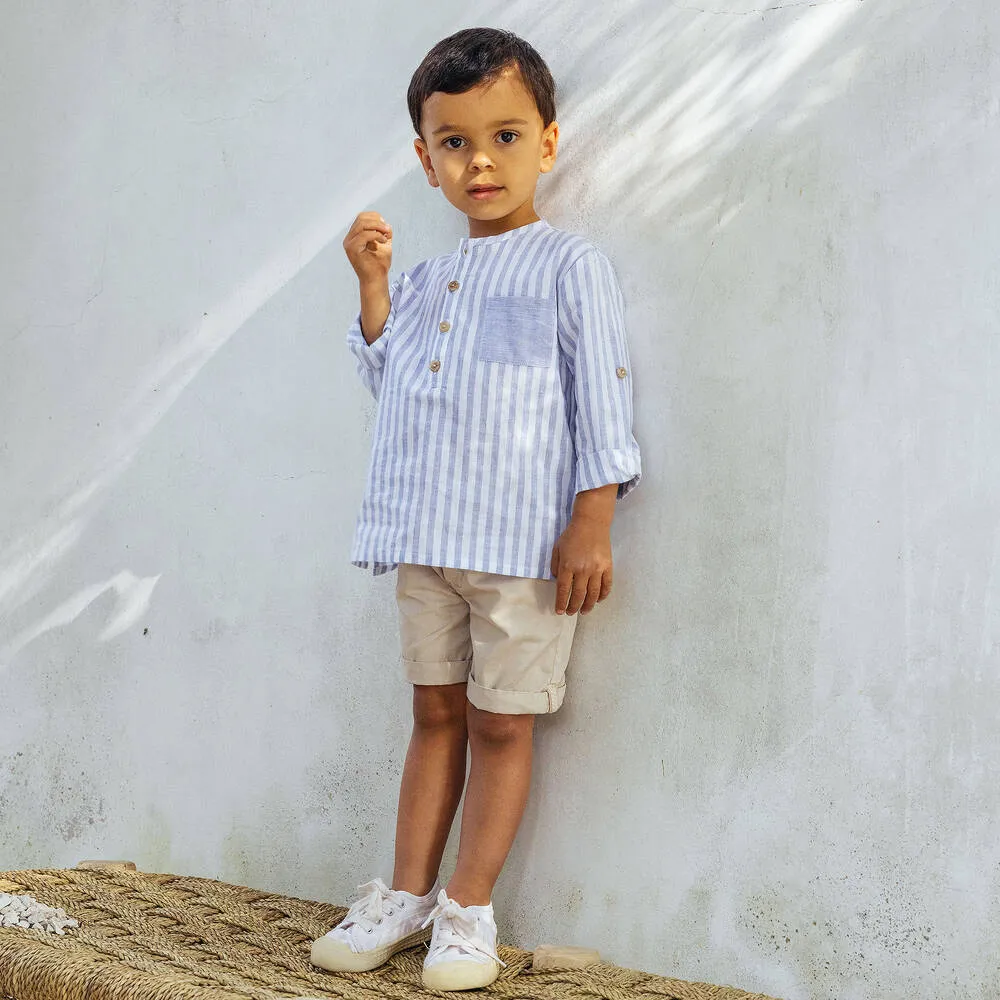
(379, 923)
(463, 953)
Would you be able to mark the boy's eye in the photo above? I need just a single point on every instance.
(454, 142)
(507, 136)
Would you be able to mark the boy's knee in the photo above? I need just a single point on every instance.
(494, 728)
(439, 706)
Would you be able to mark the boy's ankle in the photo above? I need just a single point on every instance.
(469, 895)
(415, 887)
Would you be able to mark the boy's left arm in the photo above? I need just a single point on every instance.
(581, 559)
(593, 338)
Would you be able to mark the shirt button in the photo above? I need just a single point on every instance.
(435, 366)
(444, 326)
(453, 286)
(621, 373)
(465, 250)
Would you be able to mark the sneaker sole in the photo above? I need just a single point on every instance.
(335, 956)
(460, 975)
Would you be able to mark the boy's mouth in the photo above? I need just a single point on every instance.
(483, 191)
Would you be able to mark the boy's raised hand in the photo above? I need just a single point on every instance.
(368, 245)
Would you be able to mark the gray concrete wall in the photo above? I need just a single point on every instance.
(776, 766)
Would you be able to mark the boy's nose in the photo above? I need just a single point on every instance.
(480, 159)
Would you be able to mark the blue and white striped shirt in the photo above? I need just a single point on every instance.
(503, 389)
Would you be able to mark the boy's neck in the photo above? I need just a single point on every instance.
(522, 216)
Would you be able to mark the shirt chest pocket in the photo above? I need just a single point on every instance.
(517, 330)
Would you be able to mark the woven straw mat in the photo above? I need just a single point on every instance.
(166, 937)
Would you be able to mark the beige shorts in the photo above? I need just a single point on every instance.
(497, 634)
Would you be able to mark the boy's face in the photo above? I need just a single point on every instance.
(485, 149)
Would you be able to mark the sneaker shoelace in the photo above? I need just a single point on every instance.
(375, 901)
(456, 928)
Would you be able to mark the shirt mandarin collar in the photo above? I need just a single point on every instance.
(470, 242)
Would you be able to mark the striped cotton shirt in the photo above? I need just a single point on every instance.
(504, 389)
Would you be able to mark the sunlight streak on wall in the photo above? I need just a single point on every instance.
(26, 565)
(133, 595)
(658, 126)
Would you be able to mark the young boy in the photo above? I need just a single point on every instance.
(502, 440)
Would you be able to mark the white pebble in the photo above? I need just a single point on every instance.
(26, 911)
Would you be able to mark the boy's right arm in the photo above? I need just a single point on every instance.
(375, 305)
(368, 245)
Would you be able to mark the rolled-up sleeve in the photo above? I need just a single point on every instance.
(593, 338)
(370, 358)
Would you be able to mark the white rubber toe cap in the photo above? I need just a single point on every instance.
(336, 956)
(460, 975)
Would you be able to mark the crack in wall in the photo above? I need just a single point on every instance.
(804, 4)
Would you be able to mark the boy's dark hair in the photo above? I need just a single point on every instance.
(479, 55)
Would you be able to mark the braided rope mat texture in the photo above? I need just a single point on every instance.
(145, 936)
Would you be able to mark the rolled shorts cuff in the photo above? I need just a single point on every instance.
(516, 702)
(436, 671)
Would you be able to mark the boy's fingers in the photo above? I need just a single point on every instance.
(368, 240)
(594, 589)
(605, 585)
(375, 226)
(563, 589)
(579, 594)
(366, 236)
(367, 229)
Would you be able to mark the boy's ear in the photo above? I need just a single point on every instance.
(550, 145)
(425, 161)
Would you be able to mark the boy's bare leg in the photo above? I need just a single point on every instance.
(431, 788)
(499, 780)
